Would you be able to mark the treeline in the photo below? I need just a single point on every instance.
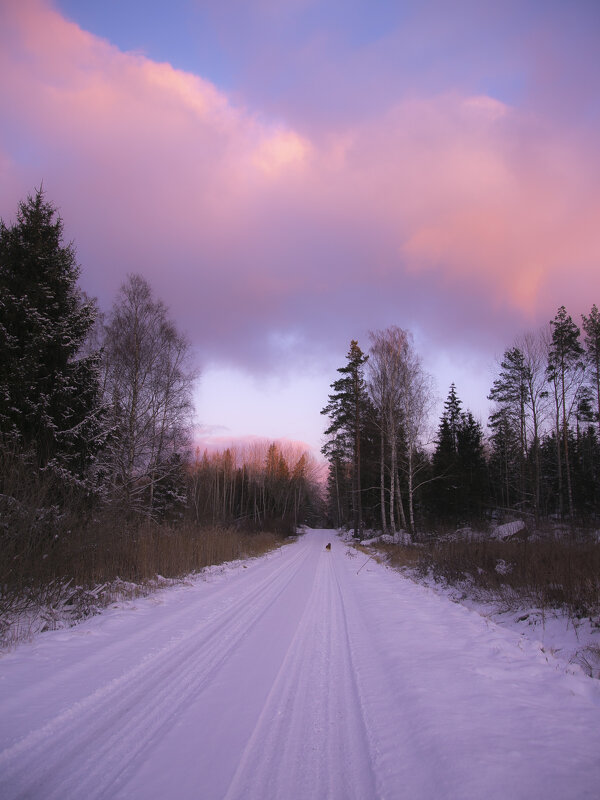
(96, 417)
(389, 468)
(262, 486)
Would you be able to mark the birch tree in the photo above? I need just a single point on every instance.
(385, 367)
(416, 402)
(148, 384)
(402, 392)
(534, 347)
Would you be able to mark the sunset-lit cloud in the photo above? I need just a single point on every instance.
(437, 208)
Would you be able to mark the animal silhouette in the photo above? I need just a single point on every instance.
(328, 546)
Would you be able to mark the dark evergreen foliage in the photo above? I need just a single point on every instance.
(591, 327)
(49, 393)
(348, 410)
(458, 465)
(565, 371)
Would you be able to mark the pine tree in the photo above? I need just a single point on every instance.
(339, 499)
(504, 462)
(49, 394)
(346, 411)
(565, 371)
(511, 391)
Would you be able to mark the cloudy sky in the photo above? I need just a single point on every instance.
(290, 174)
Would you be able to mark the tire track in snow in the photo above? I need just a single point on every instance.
(305, 680)
(84, 750)
(310, 739)
(393, 730)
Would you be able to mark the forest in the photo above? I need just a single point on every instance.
(540, 461)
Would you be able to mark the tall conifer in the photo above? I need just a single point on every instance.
(591, 327)
(346, 411)
(565, 368)
(49, 394)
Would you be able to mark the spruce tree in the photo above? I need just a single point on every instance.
(459, 463)
(445, 457)
(591, 327)
(453, 415)
(49, 394)
(472, 466)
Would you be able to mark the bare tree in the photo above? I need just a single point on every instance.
(385, 369)
(402, 393)
(534, 347)
(148, 384)
(276, 482)
(416, 403)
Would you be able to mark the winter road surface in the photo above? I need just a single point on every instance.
(294, 677)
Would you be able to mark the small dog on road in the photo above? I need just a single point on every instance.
(328, 546)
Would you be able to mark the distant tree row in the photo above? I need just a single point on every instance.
(265, 486)
(541, 457)
(97, 409)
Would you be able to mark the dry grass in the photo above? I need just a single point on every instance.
(554, 573)
(149, 550)
(74, 571)
(105, 550)
(64, 556)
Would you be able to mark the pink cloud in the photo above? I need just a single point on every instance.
(469, 189)
(249, 228)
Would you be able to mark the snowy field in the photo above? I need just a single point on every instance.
(295, 676)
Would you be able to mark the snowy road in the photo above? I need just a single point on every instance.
(295, 677)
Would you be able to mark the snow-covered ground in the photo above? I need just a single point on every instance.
(298, 675)
(572, 642)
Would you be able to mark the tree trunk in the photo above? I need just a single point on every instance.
(393, 474)
(384, 528)
(566, 446)
(358, 524)
(410, 493)
(558, 459)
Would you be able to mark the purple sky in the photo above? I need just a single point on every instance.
(290, 175)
